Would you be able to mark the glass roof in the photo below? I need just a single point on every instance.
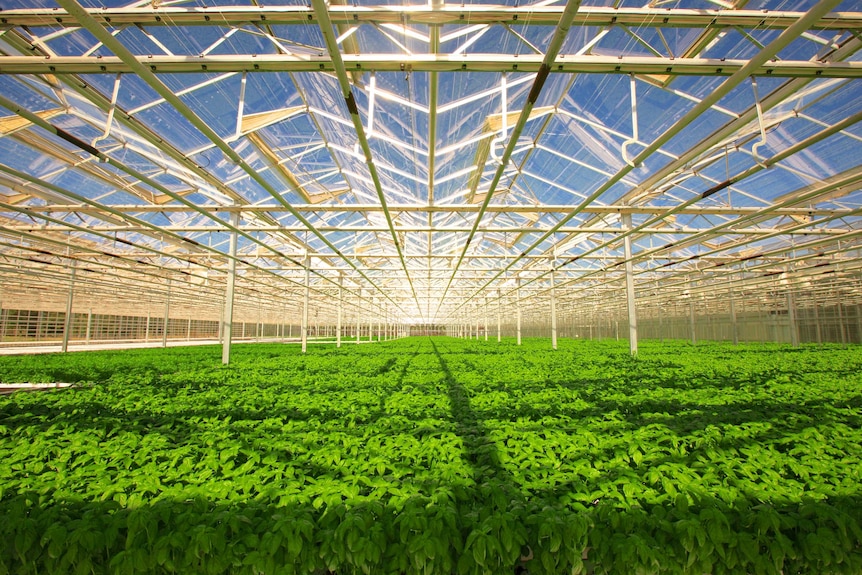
(428, 157)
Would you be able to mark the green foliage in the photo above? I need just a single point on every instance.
(435, 456)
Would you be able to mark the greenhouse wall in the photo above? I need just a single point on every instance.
(830, 324)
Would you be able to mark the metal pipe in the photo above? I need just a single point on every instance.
(692, 326)
(435, 14)
(630, 288)
(304, 329)
(518, 314)
(227, 317)
(791, 316)
(167, 316)
(733, 326)
(67, 321)
(553, 309)
(89, 325)
(340, 310)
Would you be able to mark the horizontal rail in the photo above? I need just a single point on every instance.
(588, 64)
(423, 15)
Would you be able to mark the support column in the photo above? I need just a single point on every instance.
(340, 309)
(630, 287)
(734, 330)
(518, 314)
(304, 329)
(691, 314)
(167, 316)
(660, 321)
(553, 308)
(817, 329)
(499, 314)
(486, 318)
(841, 331)
(227, 317)
(89, 325)
(67, 323)
(859, 322)
(791, 316)
(39, 318)
(358, 325)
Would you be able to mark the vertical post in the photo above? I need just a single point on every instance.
(518, 314)
(734, 330)
(691, 314)
(67, 323)
(220, 321)
(630, 286)
(258, 325)
(227, 318)
(304, 329)
(167, 315)
(791, 316)
(89, 325)
(859, 322)
(358, 325)
(499, 314)
(817, 330)
(553, 308)
(340, 309)
(486, 318)
(840, 317)
(146, 330)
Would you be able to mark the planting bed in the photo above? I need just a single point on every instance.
(435, 456)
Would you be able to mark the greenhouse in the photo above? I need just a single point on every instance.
(554, 286)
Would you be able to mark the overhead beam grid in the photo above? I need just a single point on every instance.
(423, 162)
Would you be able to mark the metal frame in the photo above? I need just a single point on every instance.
(407, 176)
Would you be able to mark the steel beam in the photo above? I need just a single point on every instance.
(567, 64)
(630, 288)
(473, 14)
(67, 321)
(442, 208)
(227, 329)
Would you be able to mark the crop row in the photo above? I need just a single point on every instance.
(435, 455)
